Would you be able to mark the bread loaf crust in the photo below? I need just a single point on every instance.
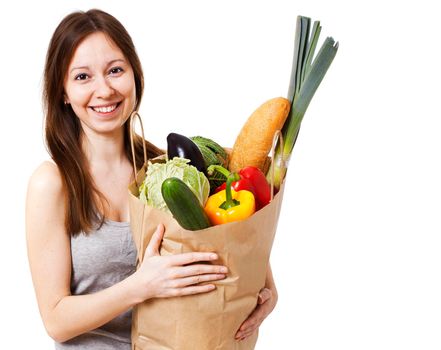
(254, 141)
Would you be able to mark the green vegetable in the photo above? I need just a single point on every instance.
(306, 76)
(150, 189)
(184, 205)
(216, 179)
(213, 154)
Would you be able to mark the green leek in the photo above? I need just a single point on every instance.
(306, 76)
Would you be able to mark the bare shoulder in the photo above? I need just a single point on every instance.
(45, 200)
(46, 180)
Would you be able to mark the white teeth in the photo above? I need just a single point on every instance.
(107, 109)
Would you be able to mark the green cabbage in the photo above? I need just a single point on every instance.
(150, 189)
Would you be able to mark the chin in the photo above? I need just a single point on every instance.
(103, 127)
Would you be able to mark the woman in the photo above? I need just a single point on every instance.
(80, 249)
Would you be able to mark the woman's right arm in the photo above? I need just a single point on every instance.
(66, 316)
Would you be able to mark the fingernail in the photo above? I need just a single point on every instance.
(223, 269)
(213, 256)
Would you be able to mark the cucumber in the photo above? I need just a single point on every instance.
(184, 205)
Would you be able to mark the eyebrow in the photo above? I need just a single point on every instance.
(108, 64)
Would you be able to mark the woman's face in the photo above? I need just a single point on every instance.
(100, 85)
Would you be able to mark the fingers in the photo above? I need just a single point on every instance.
(246, 334)
(153, 246)
(247, 329)
(252, 323)
(199, 269)
(264, 295)
(179, 292)
(188, 258)
(254, 319)
(192, 280)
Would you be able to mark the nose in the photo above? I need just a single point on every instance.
(104, 88)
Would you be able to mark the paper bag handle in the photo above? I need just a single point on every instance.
(132, 134)
(134, 115)
(277, 137)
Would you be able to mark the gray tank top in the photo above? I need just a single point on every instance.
(100, 260)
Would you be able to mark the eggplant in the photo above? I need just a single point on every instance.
(181, 146)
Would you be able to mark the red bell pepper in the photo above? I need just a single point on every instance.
(251, 179)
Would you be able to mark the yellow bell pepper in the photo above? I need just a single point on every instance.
(228, 205)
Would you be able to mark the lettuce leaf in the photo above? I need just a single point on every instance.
(150, 189)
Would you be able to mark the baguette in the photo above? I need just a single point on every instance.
(254, 141)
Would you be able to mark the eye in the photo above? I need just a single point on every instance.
(115, 70)
(81, 76)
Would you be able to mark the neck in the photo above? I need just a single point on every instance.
(104, 150)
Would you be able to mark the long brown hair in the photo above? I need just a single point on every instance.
(62, 127)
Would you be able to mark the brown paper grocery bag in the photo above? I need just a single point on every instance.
(206, 321)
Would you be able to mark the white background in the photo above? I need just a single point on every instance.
(357, 253)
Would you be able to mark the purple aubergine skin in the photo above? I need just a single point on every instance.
(181, 146)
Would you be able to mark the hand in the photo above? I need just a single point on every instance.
(168, 276)
(266, 302)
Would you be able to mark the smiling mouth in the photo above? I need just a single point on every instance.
(106, 109)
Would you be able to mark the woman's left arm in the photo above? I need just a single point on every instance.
(265, 304)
